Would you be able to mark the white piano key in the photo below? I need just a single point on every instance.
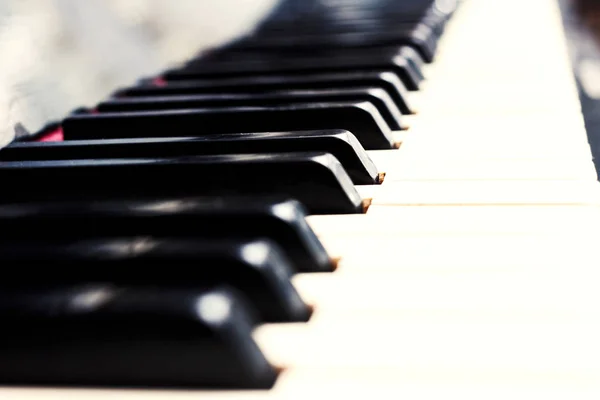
(516, 60)
(452, 98)
(483, 192)
(535, 30)
(381, 383)
(528, 66)
(527, 137)
(399, 168)
(484, 293)
(462, 252)
(382, 220)
(542, 125)
(486, 147)
(508, 344)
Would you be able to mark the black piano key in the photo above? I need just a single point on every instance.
(294, 10)
(251, 64)
(437, 17)
(374, 23)
(418, 36)
(279, 220)
(378, 97)
(257, 268)
(385, 80)
(361, 119)
(341, 144)
(388, 23)
(384, 15)
(414, 59)
(379, 22)
(316, 179)
(103, 335)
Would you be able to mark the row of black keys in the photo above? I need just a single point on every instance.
(360, 110)
(154, 292)
(131, 290)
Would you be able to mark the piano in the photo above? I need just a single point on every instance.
(374, 199)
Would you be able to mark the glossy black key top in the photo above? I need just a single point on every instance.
(260, 64)
(413, 58)
(282, 221)
(383, 16)
(361, 119)
(378, 30)
(371, 23)
(257, 268)
(385, 80)
(341, 144)
(350, 12)
(105, 335)
(378, 97)
(418, 36)
(316, 179)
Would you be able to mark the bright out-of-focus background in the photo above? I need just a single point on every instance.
(57, 55)
(582, 25)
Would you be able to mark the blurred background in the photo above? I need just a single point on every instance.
(582, 25)
(57, 55)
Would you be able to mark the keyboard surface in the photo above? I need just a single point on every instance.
(473, 272)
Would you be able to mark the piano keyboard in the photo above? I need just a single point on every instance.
(472, 273)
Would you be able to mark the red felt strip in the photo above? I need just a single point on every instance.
(53, 136)
(160, 82)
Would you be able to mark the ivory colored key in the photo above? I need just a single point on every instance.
(540, 124)
(483, 192)
(398, 168)
(459, 291)
(384, 383)
(440, 254)
(493, 147)
(490, 99)
(512, 345)
(533, 42)
(529, 137)
(382, 220)
(446, 252)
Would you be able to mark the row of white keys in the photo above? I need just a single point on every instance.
(482, 293)
(502, 127)
(473, 274)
